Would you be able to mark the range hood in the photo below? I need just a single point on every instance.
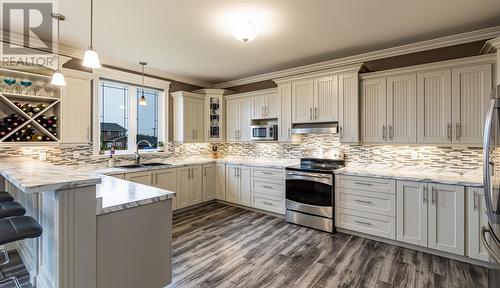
(315, 128)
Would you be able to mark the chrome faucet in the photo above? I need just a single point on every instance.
(137, 155)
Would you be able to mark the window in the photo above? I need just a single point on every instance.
(124, 124)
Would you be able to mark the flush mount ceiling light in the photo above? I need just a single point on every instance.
(58, 77)
(142, 101)
(245, 31)
(90, 58)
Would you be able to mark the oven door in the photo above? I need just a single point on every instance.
(310, 193)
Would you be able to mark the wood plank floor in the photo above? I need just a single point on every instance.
(224, 246)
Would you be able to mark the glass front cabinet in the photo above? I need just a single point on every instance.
(215, 114)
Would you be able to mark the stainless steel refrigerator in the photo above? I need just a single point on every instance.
(490, 234)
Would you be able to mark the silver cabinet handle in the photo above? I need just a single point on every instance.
(363, 201)
(341, 131)
(267, 173)
(205, 171)
(310, 113)
(363, 223)
(476, 196)
(262, 111)
(391, 132)
(384, 132)
(267, 203)
(424, 194)
(316, 113)
(289, 132)
(267, 111)
(433, 191)
(448, 132)
(365, 184)
(268, 187)
(235, 134)
(458, 130)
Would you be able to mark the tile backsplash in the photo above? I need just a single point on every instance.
(432, 156)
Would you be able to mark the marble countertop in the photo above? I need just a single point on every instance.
(472, 178)
(115, 194)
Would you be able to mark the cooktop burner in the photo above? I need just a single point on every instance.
(317, 165)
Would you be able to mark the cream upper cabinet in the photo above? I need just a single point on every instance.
(326, 99)
(239, 119)
(220, 181)
(285, 121)
(434, 107)
(232, 119)
(349, 108)
(189, 115)
(302, 101)
(447, 218)
(259, 107)
(471, 90)
(412, 198)
(477, 218)
(208, 182)
(273, 108)
(373, 110)
(245, 119)
(266, 106)
(76, 111)
(401, 109)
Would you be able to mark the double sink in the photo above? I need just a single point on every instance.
(133, 166)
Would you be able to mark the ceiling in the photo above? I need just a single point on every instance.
(193, 38)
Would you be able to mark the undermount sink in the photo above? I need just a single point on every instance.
(131, 166)
(155, 164)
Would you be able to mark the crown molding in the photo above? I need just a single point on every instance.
(457, 39)
(73, 52)
(337, 70)
(252, 93)
(491, 46)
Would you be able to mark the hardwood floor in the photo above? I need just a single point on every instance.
(224, 246)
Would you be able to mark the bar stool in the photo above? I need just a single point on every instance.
(5, 196)
(14, 229)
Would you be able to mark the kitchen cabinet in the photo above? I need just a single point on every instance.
(315, 100)
(285, 119)
(238, 184)
(76, 111)
(412, 199)
(348, 108)
(220, 181)
(266, 106)
(388, 109)
(268, 189)
(189, 186)
(145, 178)
(189, 115)
(239, 119)
(208, 182)
(476, 218)
(214, 103)
(471, 90)
(166, 179)
(302, 101)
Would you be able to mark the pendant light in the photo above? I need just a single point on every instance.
(58, 77)
(90, 58)
(142, 101)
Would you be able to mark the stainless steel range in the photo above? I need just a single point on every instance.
(310, 192)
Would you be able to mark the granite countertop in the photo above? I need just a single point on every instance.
(115, 194)
(472, 178)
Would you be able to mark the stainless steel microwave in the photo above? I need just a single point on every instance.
(264, 132)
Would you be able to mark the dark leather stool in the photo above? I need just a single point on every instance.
(10, 209)
(14, 229)
(5, 196)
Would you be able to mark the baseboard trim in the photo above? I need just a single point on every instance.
(251, 209)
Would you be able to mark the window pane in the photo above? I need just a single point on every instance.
(147, 119)
(113, 115)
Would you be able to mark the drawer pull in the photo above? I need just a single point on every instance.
(362, 183)
(267, 203)
(363, 201)
(363, 223)
(268, 187)
(267, 173)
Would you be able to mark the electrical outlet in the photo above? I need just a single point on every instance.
(414, 155)
(42, 155)
(76, 154)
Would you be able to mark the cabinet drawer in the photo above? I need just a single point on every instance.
(373, 224)
(273, 188)
(272, 204)
(366, 184)
(272, 173)
(379, 203)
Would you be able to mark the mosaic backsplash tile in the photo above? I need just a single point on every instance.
(311, 145)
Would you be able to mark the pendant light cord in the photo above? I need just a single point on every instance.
(142, 80)
(58, 43)
(91, 24)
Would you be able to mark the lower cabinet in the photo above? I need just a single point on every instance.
(220, 181)
(189, 186)
(431, 215)
(145, 178)
(238, 183)
(208, 182)
(268, 189)
(476, 218)
(166, 179)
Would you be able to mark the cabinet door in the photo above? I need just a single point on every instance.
(285, 119)
(75, 111)
(145, 178)
(196, 185)
(273, 106)
(471, 90)
(166, 179)
(188, 119)
(302, 101)
(245, 185)
(348, 108)
(412, 198)
(447, 218)
(231, 183)
(477, 218)
(326, 99)
(183, 198)
(208, 182)
(434, 107)
(401, 109)
(245, 119)
(197, 115)
(232, 119)
(373, 111)
(220, 181)
(259, 107)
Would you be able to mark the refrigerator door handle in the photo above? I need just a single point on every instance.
(486, 245)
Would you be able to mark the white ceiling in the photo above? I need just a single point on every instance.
(191, 37)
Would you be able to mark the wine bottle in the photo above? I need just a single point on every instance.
(54, 118)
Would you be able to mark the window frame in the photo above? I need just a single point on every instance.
(134, 81)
